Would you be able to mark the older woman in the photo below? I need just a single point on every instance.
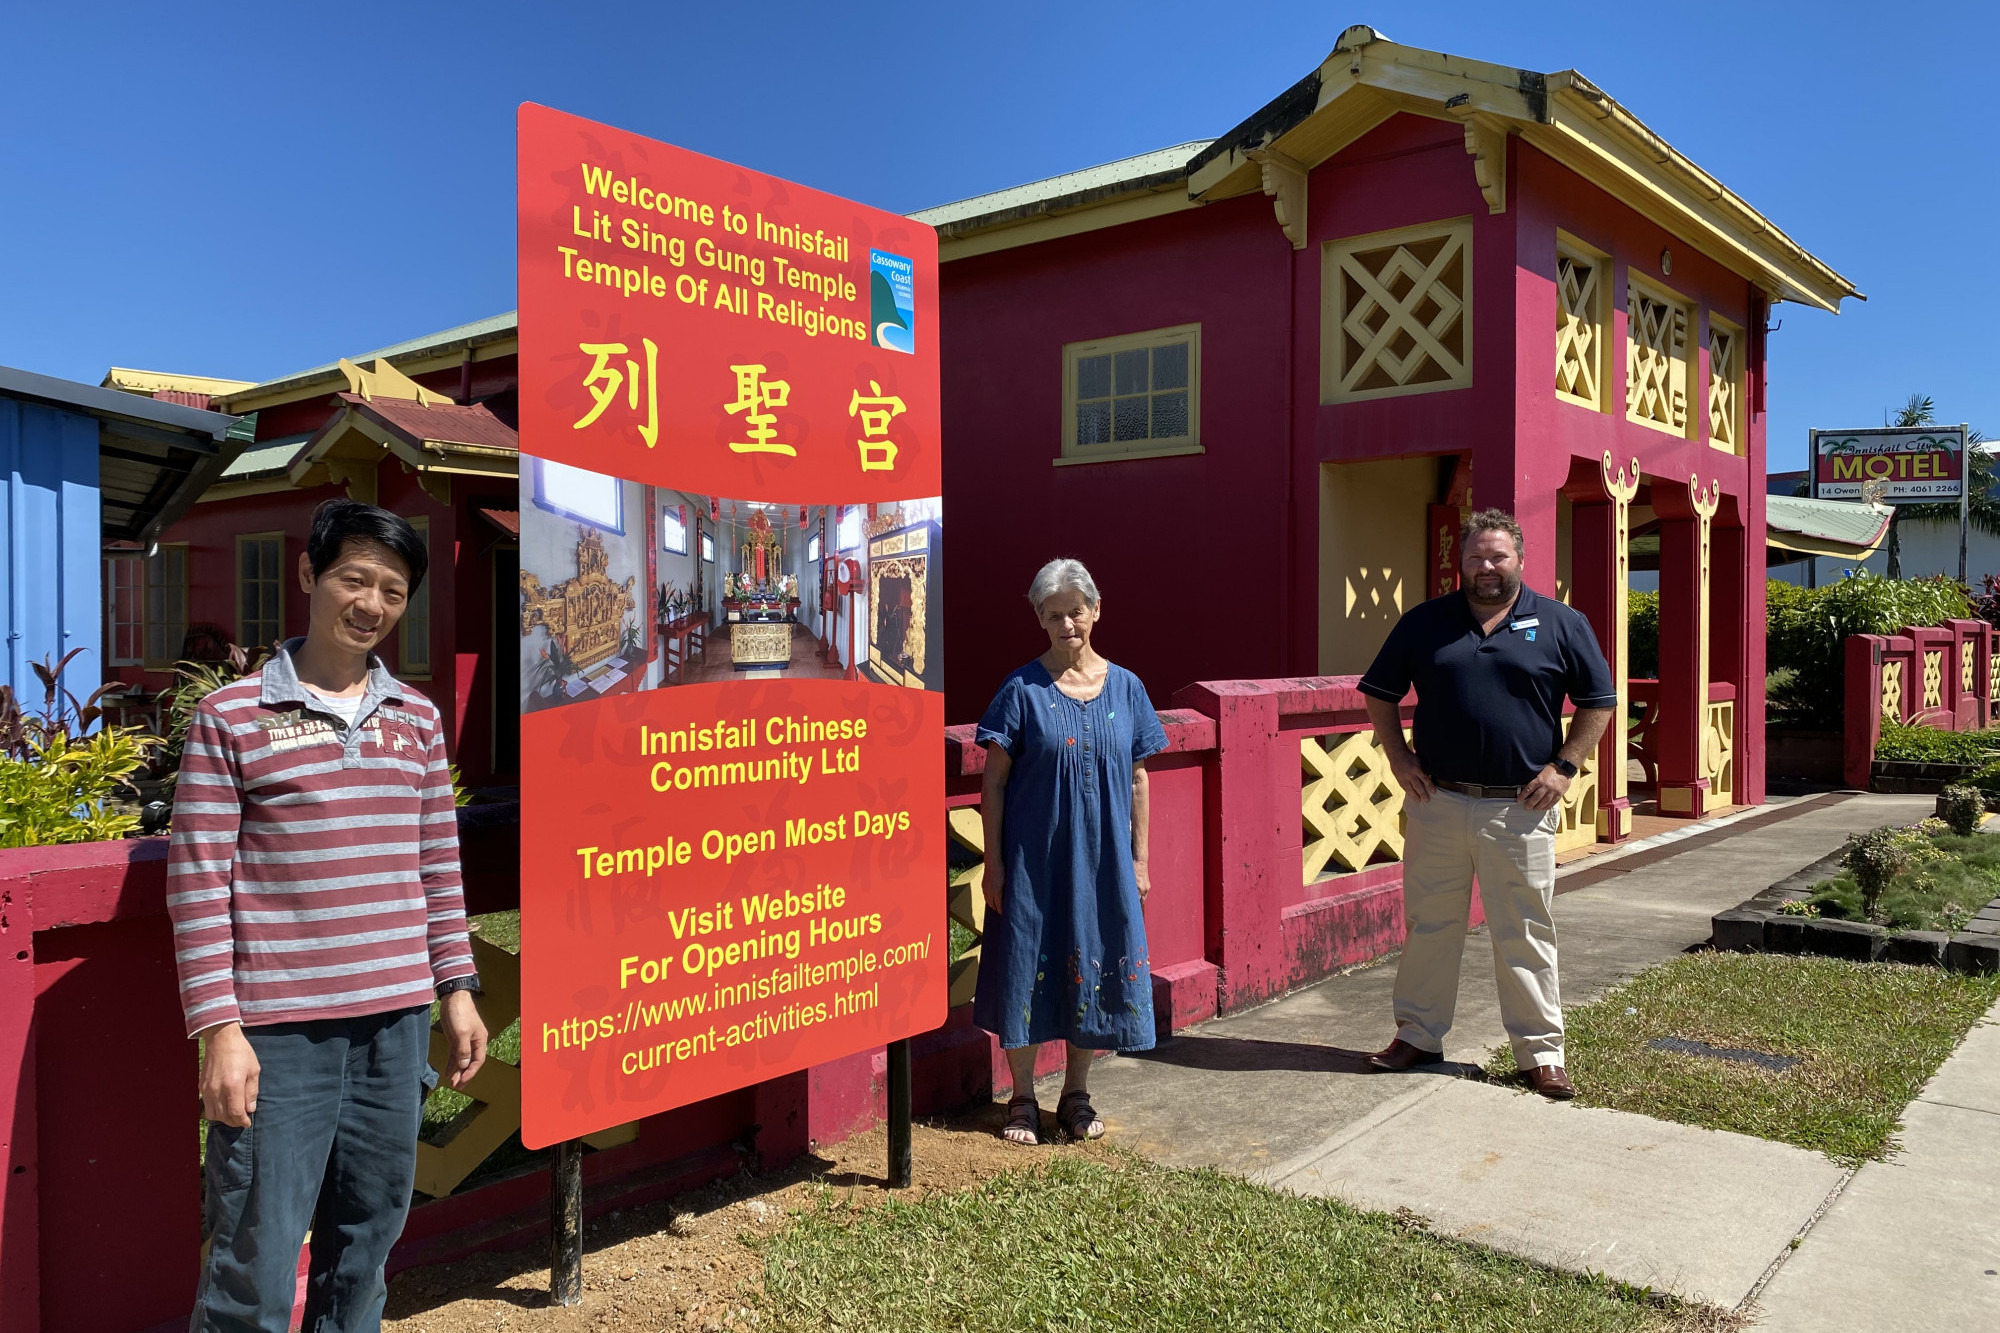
(1064, 805)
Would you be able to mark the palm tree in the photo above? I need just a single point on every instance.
(1981, 505)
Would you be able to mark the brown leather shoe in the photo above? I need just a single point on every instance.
(1551, 1082)
(1399, 1055)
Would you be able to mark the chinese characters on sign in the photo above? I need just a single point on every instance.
(602, 370)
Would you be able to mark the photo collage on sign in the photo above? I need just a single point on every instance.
(627, 586)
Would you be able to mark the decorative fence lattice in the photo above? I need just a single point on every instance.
(495, 1114)
(965, 901)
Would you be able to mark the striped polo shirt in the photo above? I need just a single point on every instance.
(313, 871)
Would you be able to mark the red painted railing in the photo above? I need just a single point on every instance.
(1938, 676)
(100, 1229)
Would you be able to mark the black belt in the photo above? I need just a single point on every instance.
(1477, 792)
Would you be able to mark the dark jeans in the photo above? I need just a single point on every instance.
(332, 1147)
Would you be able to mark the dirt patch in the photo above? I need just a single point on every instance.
(682, 1263)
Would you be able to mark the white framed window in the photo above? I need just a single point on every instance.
(848, 535)
(166, 605)
(812, 548)
(587, 497)
(707, 548)
(260, 590)
(125, 607)
(413, 640)
(1135, 396)
(673, 530)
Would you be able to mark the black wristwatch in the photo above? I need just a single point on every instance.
(470, 983)
(1563, 766)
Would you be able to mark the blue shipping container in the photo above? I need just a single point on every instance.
(50, 547)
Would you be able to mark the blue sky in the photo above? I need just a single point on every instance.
(250, 190)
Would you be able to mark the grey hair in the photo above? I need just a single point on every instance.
(1062, 575)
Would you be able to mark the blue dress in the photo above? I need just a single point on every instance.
(1066, 954)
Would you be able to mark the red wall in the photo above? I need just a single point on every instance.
(1209, 565)
(1190, 565)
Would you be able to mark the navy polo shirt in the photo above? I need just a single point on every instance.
(1490, 706)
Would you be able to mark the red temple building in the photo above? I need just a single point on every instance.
(425, 428)
(1254, 383)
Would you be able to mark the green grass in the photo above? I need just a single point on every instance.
(1867, 1037)
(1937, 894)
(1097, 1245)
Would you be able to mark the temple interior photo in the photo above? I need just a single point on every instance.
(627, 586)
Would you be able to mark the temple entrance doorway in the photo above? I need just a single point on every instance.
(1372, 546)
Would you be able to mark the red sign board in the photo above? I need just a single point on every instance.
(1920, 464)
(733, 834)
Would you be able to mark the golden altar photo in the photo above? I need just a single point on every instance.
(760, 646)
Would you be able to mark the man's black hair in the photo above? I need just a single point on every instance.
(338, 522)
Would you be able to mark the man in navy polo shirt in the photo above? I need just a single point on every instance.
(1491, 665)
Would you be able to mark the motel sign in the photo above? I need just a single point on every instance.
(1915, 464)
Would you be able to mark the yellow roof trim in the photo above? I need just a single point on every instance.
(150, 382)
(1367, 79)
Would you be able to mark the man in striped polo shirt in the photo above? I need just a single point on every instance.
(314, 887)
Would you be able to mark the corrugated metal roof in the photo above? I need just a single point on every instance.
(479, 328)
(1843, 521)
(101, 402)
(269, 459)
(1108, 178)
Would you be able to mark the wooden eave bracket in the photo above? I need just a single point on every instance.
(1285, 182)
(1486, 141)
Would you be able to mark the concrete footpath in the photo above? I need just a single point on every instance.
(1282, 1094)
(1913, 1242)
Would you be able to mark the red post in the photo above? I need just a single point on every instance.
(1683, 665)
(1861, 710)
(1252, 835)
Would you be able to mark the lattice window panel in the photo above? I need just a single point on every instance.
(1934, 678)
(1350, 803)
(1965, 668)
(1399, 313)
(1725, 379)
(1892, 691)
(965, 896)
(1580, 282)
(1656, 341)
(1718, 752)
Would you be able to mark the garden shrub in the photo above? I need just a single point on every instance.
(1807, 630)
(1943, 879)
(1642, 635)
(1962, 807)
(59, 792)
(1931, 745)
(1874, 858)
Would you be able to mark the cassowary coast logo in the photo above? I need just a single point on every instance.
(892, 302)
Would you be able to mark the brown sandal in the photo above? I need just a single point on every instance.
(1023, 1113)
(1078, 1117)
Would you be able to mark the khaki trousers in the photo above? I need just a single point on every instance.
(1447, 841)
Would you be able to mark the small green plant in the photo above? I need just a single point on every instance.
(1929, 745)
(1962, 807)
(1874, 859)
(555, 664)
(193, 682)
(60, 793)
(1952, 918)
(1799, 907)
